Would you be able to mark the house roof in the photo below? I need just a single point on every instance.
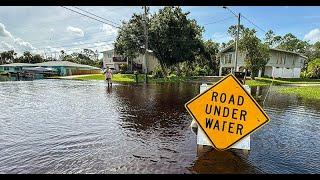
(274, 49)
(65, 63)
(18, 65)
(50, 64)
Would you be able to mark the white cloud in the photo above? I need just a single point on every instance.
(313, 36)
(75, 30)
(5, 46)
(23, 45)
(109, 30)
(4, 32)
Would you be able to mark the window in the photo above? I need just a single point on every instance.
(293, 59)
(6, 68)
(230, 58)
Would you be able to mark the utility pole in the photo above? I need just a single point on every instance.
(237, 37)
(146, 42)
(237, 41)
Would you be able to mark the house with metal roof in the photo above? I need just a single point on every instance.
(63, 68)
(283, 64)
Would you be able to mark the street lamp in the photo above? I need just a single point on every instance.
(237, 37)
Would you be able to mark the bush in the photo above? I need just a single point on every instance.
(123, 68)
(157, 72)
(201, 71)
(313, 69)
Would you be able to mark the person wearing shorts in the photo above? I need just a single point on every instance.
(109, 76)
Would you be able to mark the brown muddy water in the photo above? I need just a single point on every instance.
(66, 126)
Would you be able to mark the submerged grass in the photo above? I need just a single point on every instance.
(131, 78)
(309, 92)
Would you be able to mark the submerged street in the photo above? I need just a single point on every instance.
(68, 126)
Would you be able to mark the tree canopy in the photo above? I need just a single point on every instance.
(256, 52)
(173, 37)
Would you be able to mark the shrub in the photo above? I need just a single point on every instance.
(123, 68)
(313, 69)
(157, 72)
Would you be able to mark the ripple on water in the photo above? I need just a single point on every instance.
(54, 126)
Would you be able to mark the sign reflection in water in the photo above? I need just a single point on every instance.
(65, 126)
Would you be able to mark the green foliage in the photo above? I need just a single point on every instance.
(313, 69)
(308, 92)
(123, 68)
(207, 58)
(256, 53)
(130, 40)
(232, 30)
(7, 57)
(173, 37)
(157, 72)
(200, 71)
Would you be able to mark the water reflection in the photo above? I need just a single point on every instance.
(109, 89)
(64, 126)
(211, 161)
(157, 110)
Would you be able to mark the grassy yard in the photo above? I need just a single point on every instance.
(281, 81)
(130, 78)
(309, 92)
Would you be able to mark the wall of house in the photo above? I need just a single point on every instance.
(281, 64)
(151, 64)
(283, 59)
(228, 58)
(107, 58)
(282, 72)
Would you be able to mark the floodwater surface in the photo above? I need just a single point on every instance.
(66, 126)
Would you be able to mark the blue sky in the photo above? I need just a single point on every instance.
(47, 30)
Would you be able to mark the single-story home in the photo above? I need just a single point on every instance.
(283, 64)
(63, 68)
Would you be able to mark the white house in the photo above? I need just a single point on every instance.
(283, 64)
(112, 60)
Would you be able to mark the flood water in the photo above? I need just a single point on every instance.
(66, 126)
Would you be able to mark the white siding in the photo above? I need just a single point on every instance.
(287, 72)
(268, 71)
(296, 72)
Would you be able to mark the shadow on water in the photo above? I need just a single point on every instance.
(211, 161)
(85, 127)
(157, 109)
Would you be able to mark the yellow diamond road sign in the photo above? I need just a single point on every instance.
(226, 112)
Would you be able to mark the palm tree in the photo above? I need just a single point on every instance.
(62, 55)
(11, 56)
(28, 56)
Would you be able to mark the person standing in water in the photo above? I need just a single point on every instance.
(109, 76)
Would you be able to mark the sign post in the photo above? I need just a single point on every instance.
(226, 113)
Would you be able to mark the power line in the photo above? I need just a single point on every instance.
(73, 45)
(221, 20)
(96, 15)
(253, 23)
(74, 49)
(59, 41)
(89, 16)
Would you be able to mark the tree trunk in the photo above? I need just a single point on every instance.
(178, 70)
(163, 68)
